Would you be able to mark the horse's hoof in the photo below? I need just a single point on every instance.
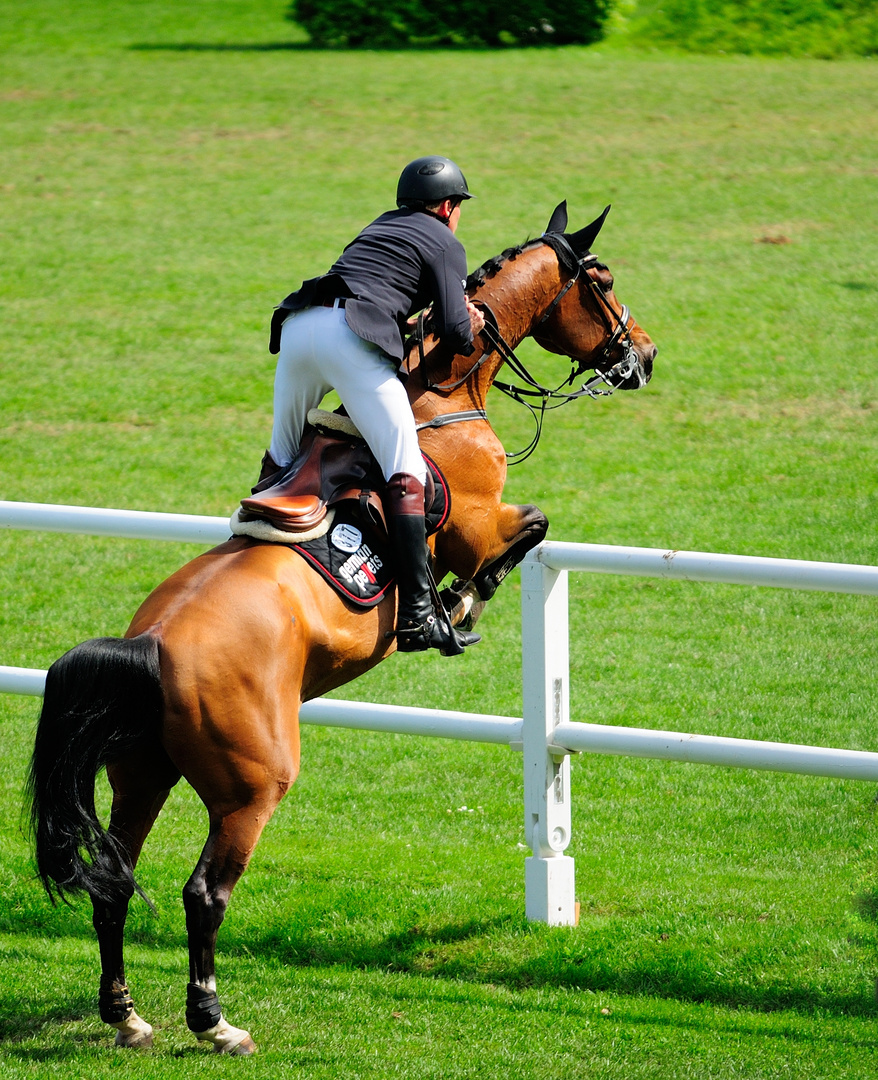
(244, 1048)
(228, 1040)
(135, 1042)
(134, 1033)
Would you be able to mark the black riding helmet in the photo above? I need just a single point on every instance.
(430, 180)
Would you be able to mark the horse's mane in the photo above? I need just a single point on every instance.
(488, 269)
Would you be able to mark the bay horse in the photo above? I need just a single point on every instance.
(207, 681)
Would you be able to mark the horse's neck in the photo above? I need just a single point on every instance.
(521, 290)
(516, 294)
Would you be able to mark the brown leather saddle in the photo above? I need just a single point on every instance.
(334, 465)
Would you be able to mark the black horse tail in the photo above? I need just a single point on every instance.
(103, 699)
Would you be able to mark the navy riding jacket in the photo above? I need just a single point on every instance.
(405, 260)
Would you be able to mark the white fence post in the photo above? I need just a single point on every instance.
(548, 873)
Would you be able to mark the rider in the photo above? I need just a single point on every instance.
(345, 331)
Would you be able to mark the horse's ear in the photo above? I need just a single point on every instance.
(582, 241)
(558, 220)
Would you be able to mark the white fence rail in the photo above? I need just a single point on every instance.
(701, 566)
(128, 524)
(545, 734)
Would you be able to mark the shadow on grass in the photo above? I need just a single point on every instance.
(503, 951)
(859, 286)
(866, 906)
(22, 1020)
(489, 951)
(194, 46)
(296, 46)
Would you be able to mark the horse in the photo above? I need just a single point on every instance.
(207, 681)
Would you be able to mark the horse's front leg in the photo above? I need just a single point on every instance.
(528, 525)
(518, 529)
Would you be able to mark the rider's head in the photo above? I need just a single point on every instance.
(434, 185)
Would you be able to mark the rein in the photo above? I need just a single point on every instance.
(422, 356)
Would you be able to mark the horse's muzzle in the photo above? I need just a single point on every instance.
(642, 373)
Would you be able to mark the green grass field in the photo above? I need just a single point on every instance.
(167, 174)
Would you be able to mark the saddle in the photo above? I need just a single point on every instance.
(327, 506)
(334, 465)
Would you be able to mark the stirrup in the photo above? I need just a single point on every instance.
(433, 633)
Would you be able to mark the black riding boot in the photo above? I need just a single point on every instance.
(419, 626)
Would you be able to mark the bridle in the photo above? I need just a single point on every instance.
(618, 328)
(602, 384)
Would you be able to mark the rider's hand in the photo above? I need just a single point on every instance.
(476, 318)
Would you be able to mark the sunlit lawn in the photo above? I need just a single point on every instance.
(156, 201)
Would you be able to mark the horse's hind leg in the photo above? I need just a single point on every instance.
(139, 791)
(226, 854)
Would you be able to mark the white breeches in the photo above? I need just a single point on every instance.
(319, 353)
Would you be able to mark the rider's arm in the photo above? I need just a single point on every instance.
(451, 316)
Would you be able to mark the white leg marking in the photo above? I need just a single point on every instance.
(133, 1032)
(227, 1039)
